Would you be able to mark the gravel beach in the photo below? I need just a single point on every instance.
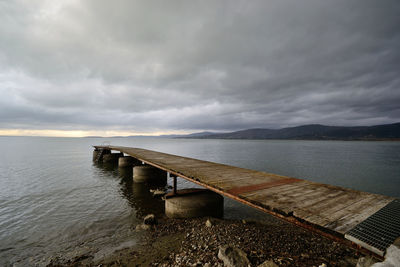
(196, 242)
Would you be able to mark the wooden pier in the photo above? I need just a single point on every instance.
(330, 210)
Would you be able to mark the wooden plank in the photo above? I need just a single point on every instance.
(233, 181)
(280, 198)
(337, 219)
(330, 218)
(290, 200)
(255, 187)
(303, 199)
(311, 206)
(284, 195)
(257, 195)
(350, 220)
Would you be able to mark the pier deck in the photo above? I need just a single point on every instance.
(325, 208)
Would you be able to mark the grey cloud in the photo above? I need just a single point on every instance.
(198, 65)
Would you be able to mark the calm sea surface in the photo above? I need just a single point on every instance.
(55, 201)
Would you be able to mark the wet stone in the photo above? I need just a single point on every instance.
(150, 219)
(233, 257)
(268, 264)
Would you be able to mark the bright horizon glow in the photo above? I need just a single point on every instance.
(77, 133)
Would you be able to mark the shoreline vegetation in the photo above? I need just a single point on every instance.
(197, 242)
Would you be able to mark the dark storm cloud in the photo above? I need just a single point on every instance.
(198, 65)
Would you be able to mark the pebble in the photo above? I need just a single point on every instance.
(274, 243)
(158, 192)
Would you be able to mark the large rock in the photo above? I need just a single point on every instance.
(142, 226)
(150, 219)
(268, 264)
(233, 257)
(392, 258)
(365, 262)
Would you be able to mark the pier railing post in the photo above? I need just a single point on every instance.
(174, 185)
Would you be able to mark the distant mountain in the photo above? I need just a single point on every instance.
(169, 136)
(312, 132)
(193, 135)
(200, 134)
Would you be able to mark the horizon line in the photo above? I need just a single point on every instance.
(124, 134)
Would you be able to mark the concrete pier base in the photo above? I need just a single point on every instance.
(112, 157)
(97, 152)
(126, 161)
(149, 174)
(190, 203)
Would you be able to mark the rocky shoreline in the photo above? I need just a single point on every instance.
(196, 242)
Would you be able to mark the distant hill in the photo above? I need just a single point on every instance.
(201, 134)
(193, 135)
(312, 132)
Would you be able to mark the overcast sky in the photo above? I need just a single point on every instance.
(133, 67)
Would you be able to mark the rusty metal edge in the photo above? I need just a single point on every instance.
(291, 219)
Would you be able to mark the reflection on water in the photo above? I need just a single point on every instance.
(138, 195)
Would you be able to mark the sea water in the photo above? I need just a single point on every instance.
(55, 202)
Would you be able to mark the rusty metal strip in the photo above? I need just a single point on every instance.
(184, 192)
(256, 187)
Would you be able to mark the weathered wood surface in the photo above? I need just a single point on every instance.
(328, 207)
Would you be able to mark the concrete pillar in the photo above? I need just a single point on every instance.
(149, 174)
(128, 161)
(112, 157)
(96, 153)
(190, 203)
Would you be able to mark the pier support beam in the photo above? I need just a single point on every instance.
(98, 154)
(174, 185)
(149, 174)
(191, 203)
